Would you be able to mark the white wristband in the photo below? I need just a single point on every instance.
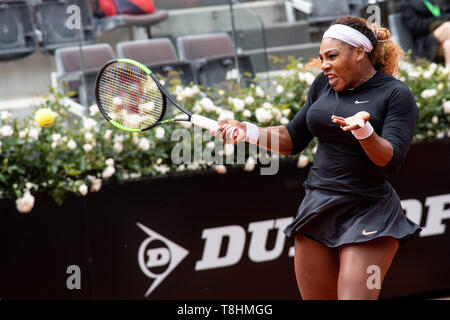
(252, 135)
(364, 132)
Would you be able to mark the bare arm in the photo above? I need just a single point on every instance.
(276, 139)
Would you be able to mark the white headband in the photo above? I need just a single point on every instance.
(349, 35)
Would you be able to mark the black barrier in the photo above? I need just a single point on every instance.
(205, 236)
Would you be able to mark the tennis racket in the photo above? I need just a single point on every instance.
(131, 98)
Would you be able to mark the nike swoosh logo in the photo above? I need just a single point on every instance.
(358, 102)
(366, 233)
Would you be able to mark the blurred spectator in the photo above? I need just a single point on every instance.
(107, 8)
(428, 22)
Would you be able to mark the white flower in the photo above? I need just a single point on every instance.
(307, 77)
(286, 112)
(56, 137)
(7, 131)
(118, 147)
(189, 92)
(30, 185)
(93, 110)
(5, 115)
(433, 67)
(427, 74)
(89, 123)
(118, 138)
(428, 93)
(414, 74)
(249, 100)
(159, 133)
(435, 120)
(246, 113)
(26, 203)
(259, 92)
(87, 147)
(193, 166)
(159, 161)
(302, 161)
(54, 145)
(96, 185)
(181, 167)
(290, 95)
(109, 162)
(108, 134)
(226, 114)
(267, 105)
(280, 89)
(108, 172)
(23, 133)
(33, 134)
(276, 113)
(197, 109)
(71, 144)
(262, 115)
(250, 164)
(83, 189)
(284, 121)
(163, 169)
(210, 145)
(447, 107)
(135, 139)
(207, 104)
(220, 168)
(88, 136)
(144, 144)
(238, 104)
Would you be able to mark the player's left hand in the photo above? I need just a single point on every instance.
(352, 123)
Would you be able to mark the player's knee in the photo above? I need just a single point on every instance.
(446, 45)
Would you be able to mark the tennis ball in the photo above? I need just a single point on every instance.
(44, 117)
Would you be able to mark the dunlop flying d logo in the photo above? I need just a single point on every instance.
(158, 256)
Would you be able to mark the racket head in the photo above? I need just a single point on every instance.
(129, 96)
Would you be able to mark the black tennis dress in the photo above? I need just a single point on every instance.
(348, 199)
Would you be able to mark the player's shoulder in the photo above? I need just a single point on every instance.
(395, 88)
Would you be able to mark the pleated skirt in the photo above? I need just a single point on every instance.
(334, 218)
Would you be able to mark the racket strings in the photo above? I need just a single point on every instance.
(129, 96)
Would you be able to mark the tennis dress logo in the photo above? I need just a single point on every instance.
(158, 256)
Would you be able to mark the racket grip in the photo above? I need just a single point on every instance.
(209, 124)
(204, 122)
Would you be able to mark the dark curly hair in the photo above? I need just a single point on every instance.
(386, 54)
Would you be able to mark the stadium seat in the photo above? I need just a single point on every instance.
(70, 64)
(136, 20)
(324, 11)
(213, 57)
(17, 36)
(400, 33)
(159, 55)
(55, 20)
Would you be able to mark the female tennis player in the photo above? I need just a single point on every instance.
(350, 222)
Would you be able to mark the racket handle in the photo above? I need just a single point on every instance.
(209, 124)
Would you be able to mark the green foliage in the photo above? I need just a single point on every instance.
(77, 155)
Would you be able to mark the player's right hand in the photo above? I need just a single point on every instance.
(226, 131)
